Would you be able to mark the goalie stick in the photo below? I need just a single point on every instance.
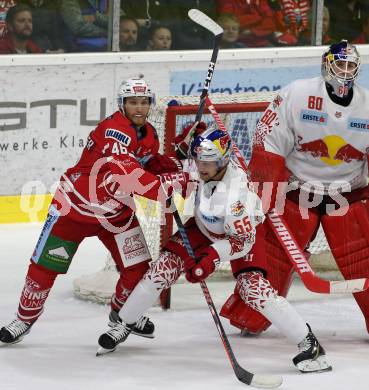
(285, 237)
(260, 381)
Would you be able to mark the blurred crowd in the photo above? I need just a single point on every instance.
(57, 26)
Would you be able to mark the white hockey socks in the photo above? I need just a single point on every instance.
(281, 314)
(144, 295)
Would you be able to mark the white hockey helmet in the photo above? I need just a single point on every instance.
(212, 145)
(340, 67)
(133, 87)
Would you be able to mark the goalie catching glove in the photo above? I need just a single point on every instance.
(199, 269)
(182, 140)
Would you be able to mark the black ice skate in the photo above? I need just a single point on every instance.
(14, 332)
(143, 327)
(108, 341)
(312, 355)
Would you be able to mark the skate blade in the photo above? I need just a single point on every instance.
(2, 343)
(314, 366)
(147, 336)
(103, 351)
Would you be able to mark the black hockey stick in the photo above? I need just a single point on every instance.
(208, 23)
(260, 381)
(284, 235)
(256, 380)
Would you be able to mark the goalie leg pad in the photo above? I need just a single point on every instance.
(243, 308)
(348, 238)
(279, 267)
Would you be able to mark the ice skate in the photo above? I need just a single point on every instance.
(143, 327)
(108, 341)
(312, 356)
(14, 332)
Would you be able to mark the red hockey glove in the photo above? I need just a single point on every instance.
(160, 163)
(180, 182)
(206, 263)
(182, 140)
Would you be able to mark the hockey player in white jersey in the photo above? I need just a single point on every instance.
(314, 137)
(227, 216)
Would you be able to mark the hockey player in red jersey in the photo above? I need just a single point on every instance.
(312, 142)
(227, 216)
(94, 198)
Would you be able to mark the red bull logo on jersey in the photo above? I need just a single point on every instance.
(358, 124)
(332, 150)
(237, 208)
(318, 118)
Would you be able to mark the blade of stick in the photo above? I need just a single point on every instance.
(203, 20)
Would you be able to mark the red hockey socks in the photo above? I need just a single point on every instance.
(39, 281)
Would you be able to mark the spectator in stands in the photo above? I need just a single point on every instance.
(128, 34)
(327, 40)
(19, 25)
(231, 27)
(256, 18)
(4, 6)
(88, 22)
(189, 35)
(295, 13)
(346, 17)
(364, 36)
(150, 13)
(49, 30)
(160, 39)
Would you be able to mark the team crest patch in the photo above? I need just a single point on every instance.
(237, 209)
(237, 244)
(277, 101)
(118, 135)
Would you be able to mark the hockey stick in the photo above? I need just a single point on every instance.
(260, 381)
(295, 254)
(256, 380)
(208, 23)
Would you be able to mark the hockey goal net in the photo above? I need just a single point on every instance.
(240, 113)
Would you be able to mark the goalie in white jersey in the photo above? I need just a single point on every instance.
(314, 137)
(227, 215)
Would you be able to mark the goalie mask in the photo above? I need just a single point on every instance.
(134, 88)
(340, 67)
(212, 145)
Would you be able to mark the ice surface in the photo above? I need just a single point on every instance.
(59, 353)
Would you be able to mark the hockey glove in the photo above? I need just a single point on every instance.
(182, 140)
(160, 163)
(180, 182)
(199, 269)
